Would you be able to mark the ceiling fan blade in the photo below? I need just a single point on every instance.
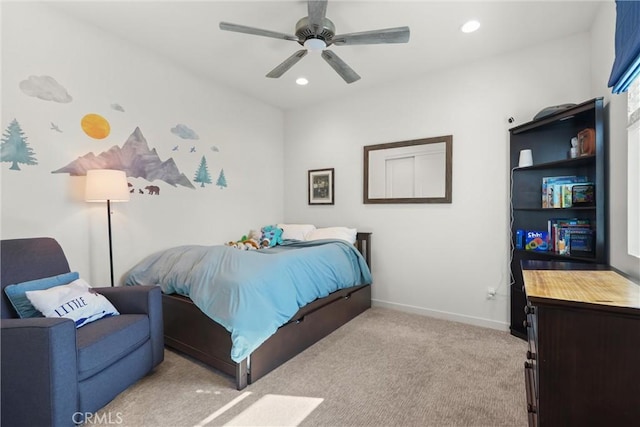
(227, 26)
(340, 66)
(288, 63)
(387, 35)
(317, 10)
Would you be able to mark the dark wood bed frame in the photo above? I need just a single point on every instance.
(188, 330)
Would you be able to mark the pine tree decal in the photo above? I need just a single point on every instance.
(222, 181)
(202, 174)
(14, 147)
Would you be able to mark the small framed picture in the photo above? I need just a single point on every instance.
(583, 195)
(321, 187)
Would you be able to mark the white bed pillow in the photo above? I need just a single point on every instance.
(296, 231)
(75, 301)
(341, 233)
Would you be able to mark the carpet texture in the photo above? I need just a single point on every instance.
(384, 368)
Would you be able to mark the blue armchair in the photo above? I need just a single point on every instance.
(54, 374)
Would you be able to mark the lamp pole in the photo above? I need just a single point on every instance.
(107, 185)
(110, 245)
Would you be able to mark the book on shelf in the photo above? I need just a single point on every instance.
(574, 241)
(570, 235)
(552, 189)
(583, 194)
(580, 241)
(568, 193)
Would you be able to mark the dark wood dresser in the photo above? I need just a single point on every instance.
(583, 362)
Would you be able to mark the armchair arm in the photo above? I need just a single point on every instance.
(39, 372)
(141, 300)
(133, 299)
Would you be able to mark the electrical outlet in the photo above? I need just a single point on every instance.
(491, 293)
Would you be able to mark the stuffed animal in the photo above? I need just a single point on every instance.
(251, 244)
(271, 236)
(238, 245)
(255, 235)
(247, 242)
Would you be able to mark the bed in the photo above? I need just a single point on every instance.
(189, 330)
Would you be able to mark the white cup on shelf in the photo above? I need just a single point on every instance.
(526, 158)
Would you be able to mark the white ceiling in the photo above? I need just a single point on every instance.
(187, 34)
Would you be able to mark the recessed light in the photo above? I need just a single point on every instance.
(302, 81)
(470, 26)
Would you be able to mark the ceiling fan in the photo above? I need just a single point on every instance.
(316, 33)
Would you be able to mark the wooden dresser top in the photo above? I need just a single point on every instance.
(600, 287)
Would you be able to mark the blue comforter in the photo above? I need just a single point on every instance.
(253, 293)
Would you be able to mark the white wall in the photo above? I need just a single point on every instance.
(603, 54)
(436, 259)
(97, 70)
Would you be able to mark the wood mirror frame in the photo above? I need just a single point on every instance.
(409, 150)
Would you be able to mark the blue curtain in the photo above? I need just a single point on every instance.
(626, 66)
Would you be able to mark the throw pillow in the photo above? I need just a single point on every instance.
(20, 302)
(76, 301)
(340, 233)
(295, 231)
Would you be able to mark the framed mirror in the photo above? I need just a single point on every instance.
(416, 171)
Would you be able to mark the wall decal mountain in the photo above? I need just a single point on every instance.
(135, 158)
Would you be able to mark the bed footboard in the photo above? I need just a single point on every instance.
(189, 330)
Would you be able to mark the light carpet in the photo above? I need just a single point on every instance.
(384, 368)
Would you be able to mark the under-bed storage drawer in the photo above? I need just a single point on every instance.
(306, 330)
(189, 330)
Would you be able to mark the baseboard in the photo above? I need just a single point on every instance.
(477, 321)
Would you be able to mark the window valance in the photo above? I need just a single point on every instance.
(626, 66)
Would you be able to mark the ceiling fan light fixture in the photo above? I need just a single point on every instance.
(470, 26)
(301, 81)
(315, 45)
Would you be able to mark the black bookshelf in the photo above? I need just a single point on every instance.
(549, 139)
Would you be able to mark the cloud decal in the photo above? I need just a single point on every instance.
(45, 87)
(184, 132)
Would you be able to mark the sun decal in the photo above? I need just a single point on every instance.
(95, 126)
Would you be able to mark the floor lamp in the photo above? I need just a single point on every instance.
(107, 185)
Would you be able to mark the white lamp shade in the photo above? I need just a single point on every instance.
(106, 184)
